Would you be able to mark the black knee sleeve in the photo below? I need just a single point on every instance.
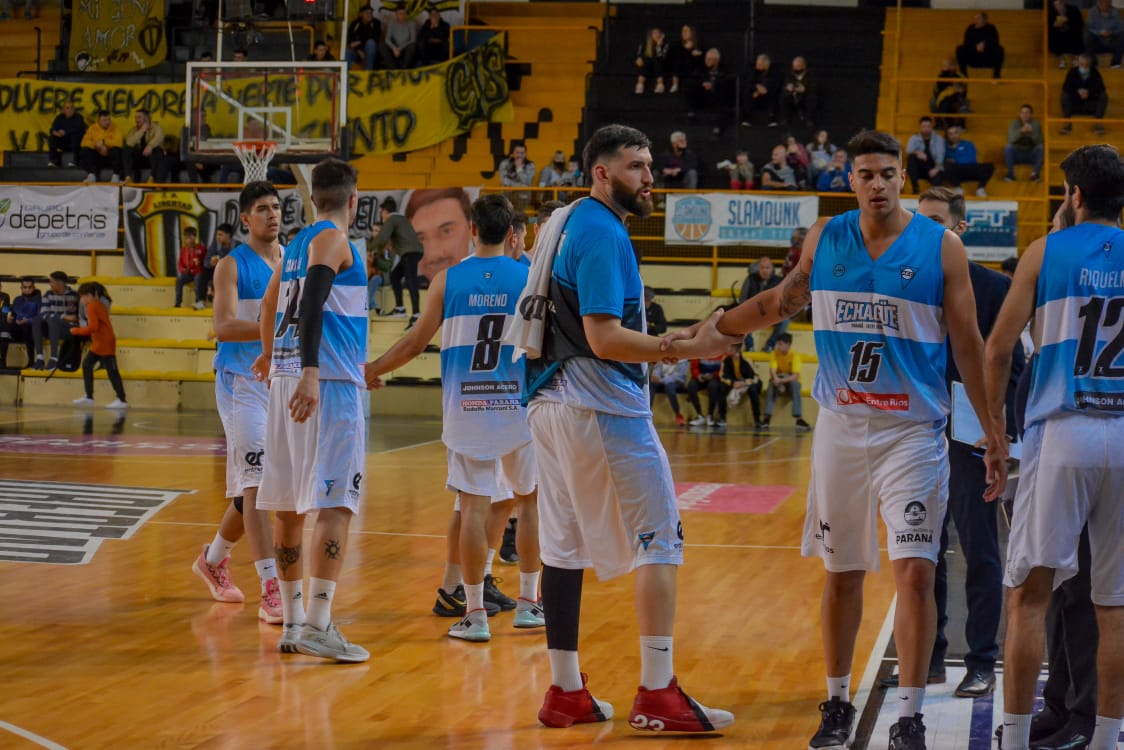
(237, 503)
(562, 601)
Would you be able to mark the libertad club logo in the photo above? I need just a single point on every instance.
(692, 219)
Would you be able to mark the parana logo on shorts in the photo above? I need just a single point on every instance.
(692, 219)
(915, 513)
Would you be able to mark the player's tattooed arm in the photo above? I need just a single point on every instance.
(796, 293)
(287, 556)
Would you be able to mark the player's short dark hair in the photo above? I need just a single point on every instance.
(224, 227)
(608, 141)
(784, 338)
(549, 207)
(924, 119)
(422, 198)
(1099, 172)
(957, 210)
(873, 142)
(252, 193)
(518, 220)
(1027, 106)
(492, 215)
(1009, 264)
(60, 276)
(333, 182)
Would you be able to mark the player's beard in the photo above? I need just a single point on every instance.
(631, 200)
(1069, 216)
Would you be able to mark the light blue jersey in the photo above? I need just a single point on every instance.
(482, 414)
(343, 343)
(879, 324)
(1079, 325)
(253, 277)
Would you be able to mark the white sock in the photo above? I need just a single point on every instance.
(473, 596)
(1107, 733)
(529, 586)
(218, 550)
(909, 701)
(267, 570)
(453, 577)
(292, 602)
(320, 593)
(656, 669)
(564, 669)
(840, 687)
(1016, 731)
(488, 564)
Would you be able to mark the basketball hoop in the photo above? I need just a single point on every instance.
(255, 157)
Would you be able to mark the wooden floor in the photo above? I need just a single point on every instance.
(129, 651)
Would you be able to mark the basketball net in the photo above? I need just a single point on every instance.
(255, 157)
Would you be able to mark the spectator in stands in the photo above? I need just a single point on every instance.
(401, 41)
(740, 381)
(837, 177)
(950, 94)
(399, 234)
(1066, 32)
(101, 147)
(740, 170)
(1008, 265)
(517, 171)
(784, 378)
(189, 268)
(709, 90)
(144, 146)
(761, 276)
(1083, 93)
(440, 217)
(981, 48)
(797, 157)
(677, 167)
(1104, 32)
(926, 154)
(552, 173)
(7, 12)
(688, 54)
(1025, 144)
(707, 374)
(220, 247)
(65, 136)
(241, 55)
(654, 314)
(820, 151)
(433, 38)
(777, 174)
(763, 88)
(653, 58)
(799, 95)
(5, 334)
(572, 177)
(103, 346)
(379, 266)
(320, 52)
(59, 312)
(670, 378)
(363, 39)
(961, 163)
(25, 323)
(795, 248)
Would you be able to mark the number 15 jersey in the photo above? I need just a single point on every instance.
(879, 324)
(483, 417)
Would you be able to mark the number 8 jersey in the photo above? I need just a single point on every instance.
(879, 324)
(482, 414)
(1078, 325)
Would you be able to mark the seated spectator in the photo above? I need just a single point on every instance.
(363, 39)
(677, 167)
(784, 379)
(433, 38)
(797, 157)
(795, 249)
(819, 151)
(671, 379)
(653, 57)
(1083, 93)
(59, 311)
(5, 334)
(1104, 32)
(709, 90)
(6, 10)
(707, 374)
(777, 174)
(688, 54)
(654, 314)
(65, 136)
(517, 171)
(837, 177)
(379, 265)
(799, 95)
(740, 171)
(763, 88)
(981, 48)
(1066, 32)
(741, 382)
(320, 52)
(950, 94)
(144, 147)
(926, 155)
(961, 164)
(25, 322)
(552, 173)
(759, 278)
(101, 147)
(219, 249)
(1024, 144)
(573, 176)
(401, 41)
(189, 267)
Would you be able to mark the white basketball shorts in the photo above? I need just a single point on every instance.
(242, 403)
(498, 478)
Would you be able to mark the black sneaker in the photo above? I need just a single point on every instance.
(907, 734)
(838, 717)
(507, 548)
(802, 426)
(413, 321)
(452, 605)
(398, 312)
(495, 596)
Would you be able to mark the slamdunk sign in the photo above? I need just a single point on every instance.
(723, 219)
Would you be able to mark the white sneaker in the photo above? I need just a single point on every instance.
(981, 193)
(91, 177)
(724, 164)
(290, 634)
(471, 628)
(116, 404)
(329, 644)
(709, 422)
(115, 177)
(529, 614)
(199, 305)
(698, 421)
(83, 401)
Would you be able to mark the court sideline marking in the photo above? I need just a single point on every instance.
(30, 736)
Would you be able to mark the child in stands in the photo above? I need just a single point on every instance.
(103, 345)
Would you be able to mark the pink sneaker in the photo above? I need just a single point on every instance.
(217, 579)
(270, 609)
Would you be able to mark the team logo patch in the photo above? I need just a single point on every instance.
(907, 275)
(839, 270)
(822, 536)
(915, 513)
(355, 480)
(692, 219)
(646, 538)
(253, 458)
(328, 485)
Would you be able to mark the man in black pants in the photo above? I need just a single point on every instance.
(981, 47)
(397, 232)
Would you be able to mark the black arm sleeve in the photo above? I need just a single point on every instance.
(317, 287)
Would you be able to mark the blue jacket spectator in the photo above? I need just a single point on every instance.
(836, 178)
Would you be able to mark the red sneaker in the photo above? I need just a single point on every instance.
(671, 710)
(562, 709)
(680, 420)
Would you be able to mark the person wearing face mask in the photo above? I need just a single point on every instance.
(799, 94)
(1083, 93)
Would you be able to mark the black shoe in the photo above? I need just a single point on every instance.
(907, 734)
(765, 424)
(452, 605)
(413, 321)
(1069, 737)
(507, 548)
(802, 426)
(836, 721)
(936, 676)
(1046, 723)
(976, 684)
(495, 596)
